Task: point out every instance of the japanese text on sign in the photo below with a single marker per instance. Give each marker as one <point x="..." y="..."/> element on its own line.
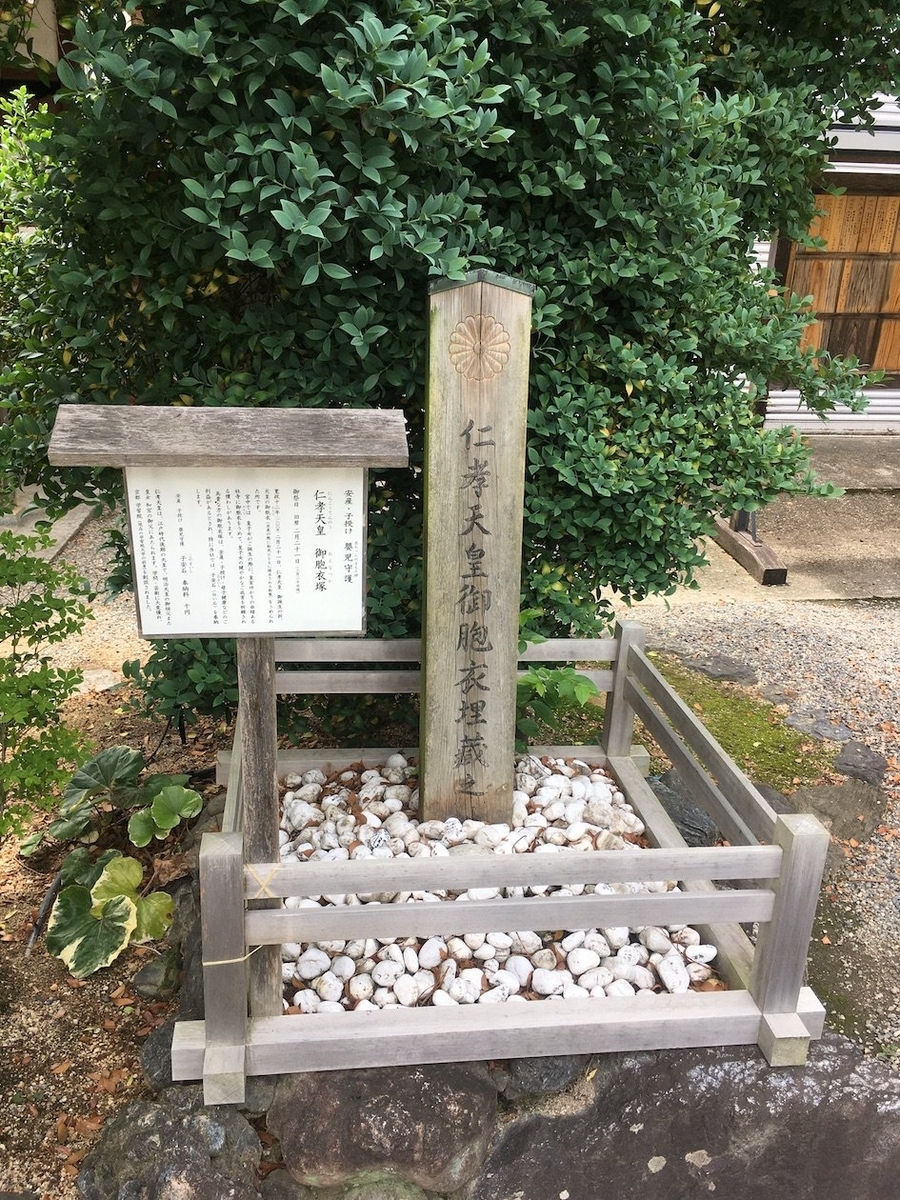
<point x="226" y="552"/>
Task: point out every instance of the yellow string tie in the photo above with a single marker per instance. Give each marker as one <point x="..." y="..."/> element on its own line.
<point x="263" y="884"/>
<point x="227" y="962"/>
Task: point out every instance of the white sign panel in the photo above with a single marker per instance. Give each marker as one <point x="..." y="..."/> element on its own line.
<point x="232" y="551"/>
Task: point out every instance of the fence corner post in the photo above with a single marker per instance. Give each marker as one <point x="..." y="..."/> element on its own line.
<point x="779" y="963"/>
<point x="224" y="967"/>
<point x="618" y="720"/>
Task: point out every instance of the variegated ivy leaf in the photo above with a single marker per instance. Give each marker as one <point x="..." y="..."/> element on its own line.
<point x="85" y="943"/>
<point x="154" y="916"/>
<point x="121" y="877"/>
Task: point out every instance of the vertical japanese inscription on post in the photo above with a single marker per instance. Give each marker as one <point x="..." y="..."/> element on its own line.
<point x="475" y="453"/>
<point x="473" y="643"/>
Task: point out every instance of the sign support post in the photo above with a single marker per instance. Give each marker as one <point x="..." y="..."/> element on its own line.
<point x="259" y="753"/>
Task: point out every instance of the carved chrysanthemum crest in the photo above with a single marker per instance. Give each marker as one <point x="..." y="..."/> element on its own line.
<point x="479" y="347"/>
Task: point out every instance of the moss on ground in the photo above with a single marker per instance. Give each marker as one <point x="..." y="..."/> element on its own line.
<point x="749" y="729"/>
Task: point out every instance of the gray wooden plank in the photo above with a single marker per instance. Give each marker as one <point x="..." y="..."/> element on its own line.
<point x="326" y="1041"/>
<point x="342" y="682"/>
<point x="812" y="1012"/>
<point x="511" y="870"/>
<point x="233" y="814"/>
<point x="744" y="798"/>
<point x="702" y="789"/>
<point x="661" y="830"/>
<point x="618" y="719"/>
<point x="256" y="692"/>
<point x="783" y="1039"/>
<point x="781" y="948"/>
<point x="224" y="950"/>
<point x="224" y="1074"/>
<point x="270" y="927"/>
<point x="571" y="650"/>
<point x="381" y="650"/>
<point x="120" y="435"/>
<point x="621" y="1018"/>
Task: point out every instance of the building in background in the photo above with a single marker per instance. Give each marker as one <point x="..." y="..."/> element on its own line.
<point x="854" y="279"/>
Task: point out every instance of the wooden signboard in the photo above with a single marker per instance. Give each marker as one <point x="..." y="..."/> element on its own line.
<point x="213" y="497"/>
<point x="222" y="551"/>
<point x="476" y="417"/>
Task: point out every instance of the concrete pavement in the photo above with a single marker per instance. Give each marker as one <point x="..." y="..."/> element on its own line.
<point x="847" y="548"/>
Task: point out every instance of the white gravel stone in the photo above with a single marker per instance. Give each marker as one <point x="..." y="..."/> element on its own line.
<point x="329" y="987"/>
<point x="580" y="960"/>
<point x="673" y="973"/>
<point x="312" y="963"/>
<point x="549" y="983"/>
<point x="442" y="999"/>
<point x="700" y="954"/>
<point x="386" y="973"/>
<point x="406" y="989"/>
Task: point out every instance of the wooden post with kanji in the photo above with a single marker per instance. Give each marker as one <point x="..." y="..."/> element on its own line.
<point x="476" y="416"/>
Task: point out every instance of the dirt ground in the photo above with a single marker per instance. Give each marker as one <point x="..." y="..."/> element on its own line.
<point x="69" y="1049"/>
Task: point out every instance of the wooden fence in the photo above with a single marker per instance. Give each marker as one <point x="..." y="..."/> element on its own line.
<point x="776" y="863"/>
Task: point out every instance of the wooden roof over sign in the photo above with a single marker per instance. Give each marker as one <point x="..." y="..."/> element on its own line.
<point x="135" y="435"/>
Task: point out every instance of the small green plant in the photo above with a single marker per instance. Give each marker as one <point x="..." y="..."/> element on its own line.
<point x="544" y="695"/>
<point x="99" y="911"/>
<point x="182" y="678"/>
<point x="109" y="786"/>
<point x="40" y="603"/>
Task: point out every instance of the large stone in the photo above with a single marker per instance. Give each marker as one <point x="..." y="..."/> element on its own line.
<point x="693" y="823"/>
<point x="278" y="1185"/>
<point x="428" y="1125"/>
<point x="156" y="1057"/>
<point x="173" y="1149"/>
<point x="158" y="978"/>
<point x="775" y="799"/>
<point x="690" y="1123"/>
<point x="818" y="724"/>
<point x="722" y="667"/>
<point x="521" y="1077"/>
<point x="857" y="760"/>
<point x="383" y="1189"/>
<point x="847" y="810"/>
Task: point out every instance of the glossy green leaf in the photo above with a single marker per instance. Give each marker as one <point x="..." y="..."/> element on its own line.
<point x="86" y="943"/>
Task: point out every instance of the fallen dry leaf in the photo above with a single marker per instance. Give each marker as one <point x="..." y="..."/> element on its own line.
<point x="171" y="867"/>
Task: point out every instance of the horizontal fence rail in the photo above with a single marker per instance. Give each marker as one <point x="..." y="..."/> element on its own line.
<point x="344" y="680"/>
<point x="275" y="926"/>
<point x="735" y="799"/>
<point x="267" y="880"/>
